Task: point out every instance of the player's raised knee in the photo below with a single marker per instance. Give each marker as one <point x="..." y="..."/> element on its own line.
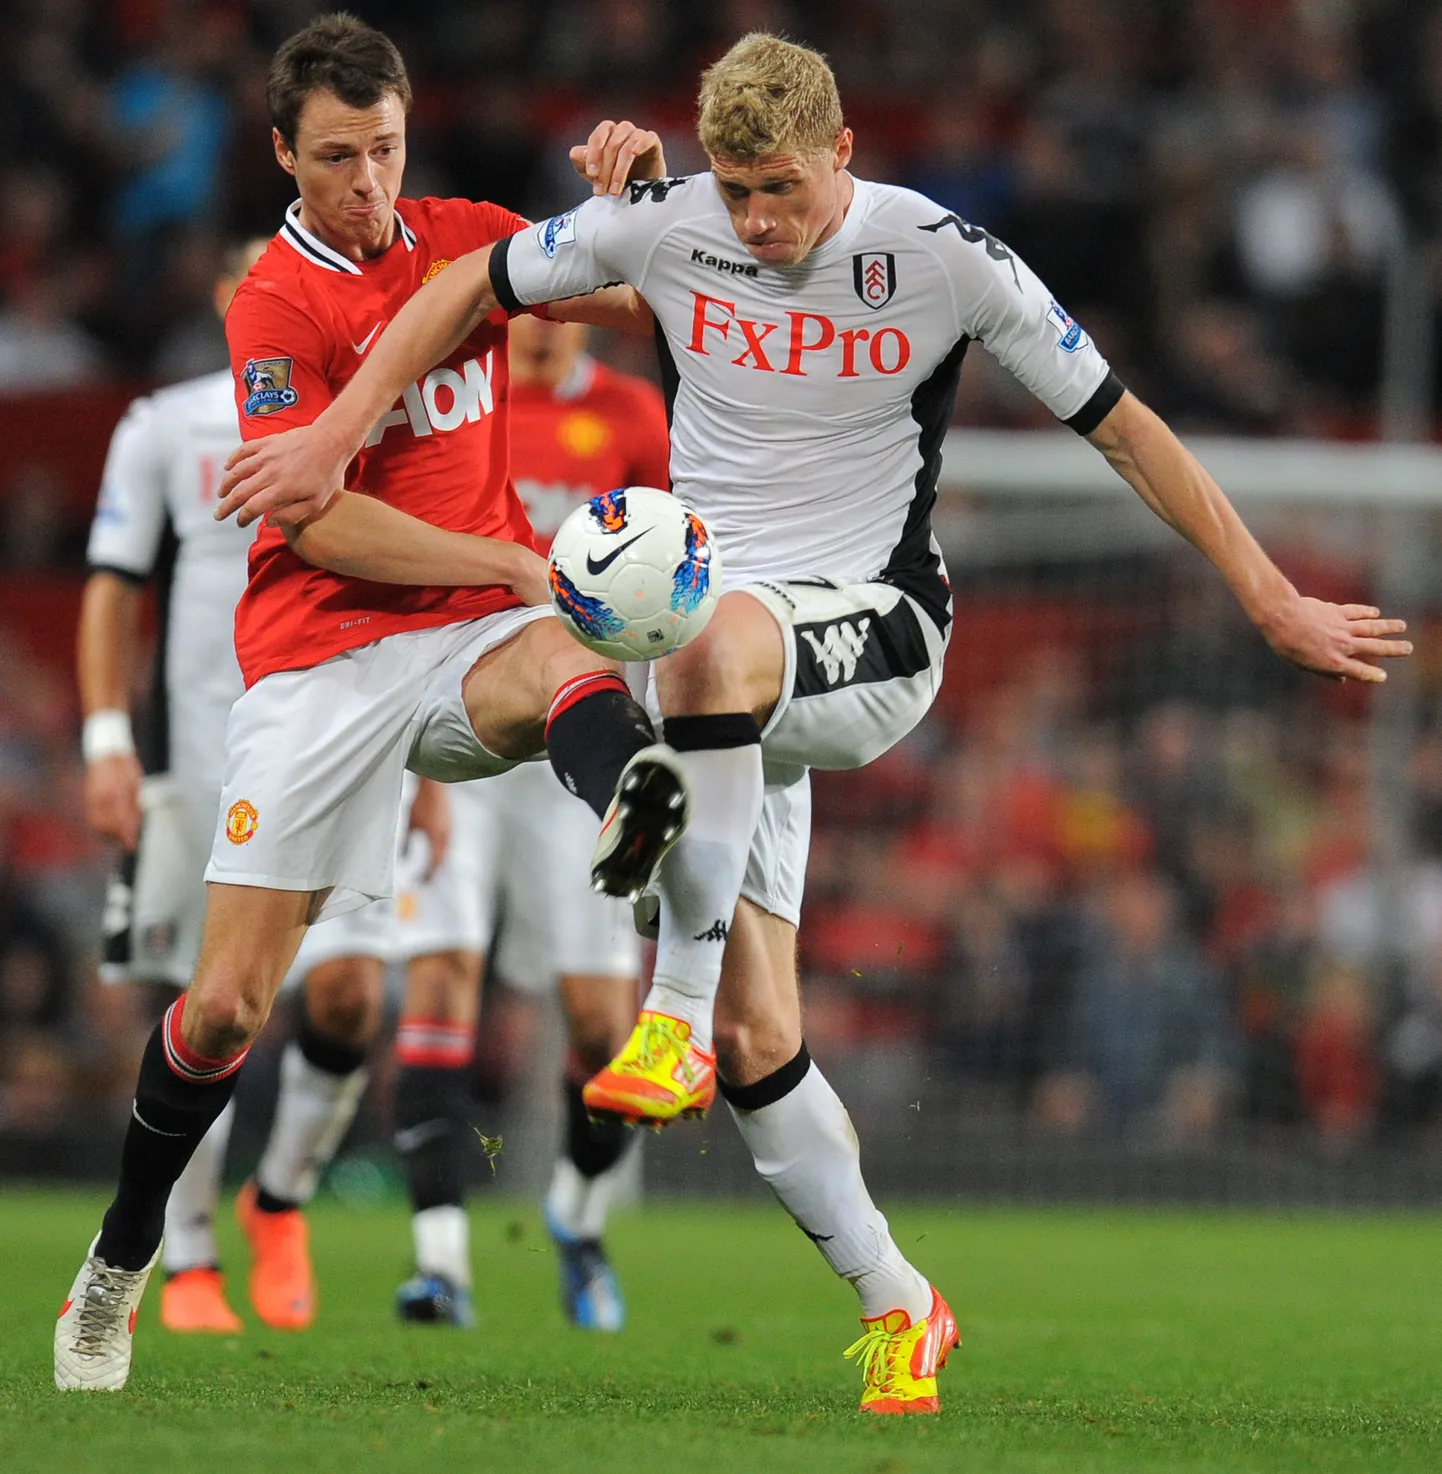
<point x="221" y="1019"/>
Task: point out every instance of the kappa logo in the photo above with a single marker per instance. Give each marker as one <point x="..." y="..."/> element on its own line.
<point x="718" y="931"/>
<point x="874" y="276"/>
<point x="719" y="263"/>
<point x="839" y="651"/>
<point x="241" y="822"/>
<point x="978" y="237"/>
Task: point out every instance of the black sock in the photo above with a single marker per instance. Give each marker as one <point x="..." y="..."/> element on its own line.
<point x="433" y="1132"/>
<point x="594" y="728"/>
<point x="175" y="1105"/>
<point x="593" y="1146"/>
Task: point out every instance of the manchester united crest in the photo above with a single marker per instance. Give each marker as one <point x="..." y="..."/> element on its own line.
<point x="241" y="822"/>
<point x="874" y="274"/>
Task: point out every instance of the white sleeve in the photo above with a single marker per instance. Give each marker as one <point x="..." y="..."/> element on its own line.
<point x="130" y="513"/>
<point x="603" y="242"/>
<point x="1002" y="304"/>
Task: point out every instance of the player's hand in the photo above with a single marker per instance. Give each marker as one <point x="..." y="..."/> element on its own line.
<point x="431" y="816"/>
<point x="1337" y="640"/>
<point x="616" y="152"/>
<point x="291" y="476"/>
<point x="530" y="582"/>
<point x="112" y="798"/>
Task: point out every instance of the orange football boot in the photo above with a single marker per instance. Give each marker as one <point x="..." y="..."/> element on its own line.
<point x="194" y="1300"/>
<point x="282" y="1283"/>
<point x="658" y="1077"/>
<point x="900" y="1360"/>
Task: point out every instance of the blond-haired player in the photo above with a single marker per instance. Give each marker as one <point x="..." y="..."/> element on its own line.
<point x="815" y="325"/>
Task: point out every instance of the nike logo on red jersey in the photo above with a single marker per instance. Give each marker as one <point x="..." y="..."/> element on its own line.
<point x="366" y="341"/>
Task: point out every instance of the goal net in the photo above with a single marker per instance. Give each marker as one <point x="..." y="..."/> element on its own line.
<point x="1140" y="910"/>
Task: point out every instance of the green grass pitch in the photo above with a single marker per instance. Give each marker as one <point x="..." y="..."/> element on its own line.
<point x="1094" y="1341"/>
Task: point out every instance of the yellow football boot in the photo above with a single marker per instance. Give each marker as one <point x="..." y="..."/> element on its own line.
<point x="900" y="1360"/>
<point x="660" y="1076"/>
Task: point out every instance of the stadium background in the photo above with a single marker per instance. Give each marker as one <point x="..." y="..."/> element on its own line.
<point x="1138" y="912"/>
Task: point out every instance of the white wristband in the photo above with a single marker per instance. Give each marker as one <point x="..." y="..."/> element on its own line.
<point x="107" y="734"/>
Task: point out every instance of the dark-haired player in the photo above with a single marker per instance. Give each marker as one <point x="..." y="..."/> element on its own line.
<point x="357" y="663"/>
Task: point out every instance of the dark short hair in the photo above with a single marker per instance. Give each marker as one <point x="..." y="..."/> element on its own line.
<point x="334" y="53"/>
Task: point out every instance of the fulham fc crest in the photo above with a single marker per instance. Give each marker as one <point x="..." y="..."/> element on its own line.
<point x="874" y="273"/>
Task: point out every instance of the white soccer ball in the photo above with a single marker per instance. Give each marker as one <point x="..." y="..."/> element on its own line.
<point x="634" y="574"/>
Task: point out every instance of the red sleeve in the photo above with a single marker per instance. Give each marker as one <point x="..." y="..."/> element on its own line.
<point x="648" y="437"/>
<point x="278" y="357"/>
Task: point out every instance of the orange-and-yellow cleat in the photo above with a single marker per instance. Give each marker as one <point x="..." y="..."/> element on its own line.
<point x="660" y="1076"/>
<point x="282" y="1283"/>
<point x="900" y="1360"/>
<point x="194" y="1300"/>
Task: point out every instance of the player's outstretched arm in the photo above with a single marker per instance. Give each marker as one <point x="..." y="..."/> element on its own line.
<point x="1338" y="640"/>
<point x="295" y="474"/>
<point x="361" y="537"/>
<point x="106" y="644"/>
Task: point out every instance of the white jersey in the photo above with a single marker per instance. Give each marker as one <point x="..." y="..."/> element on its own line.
<point x="165" y="464"/>
<point x="809" y="403"/>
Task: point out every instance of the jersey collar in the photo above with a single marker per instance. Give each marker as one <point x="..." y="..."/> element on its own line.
<point x="315" y="250"/>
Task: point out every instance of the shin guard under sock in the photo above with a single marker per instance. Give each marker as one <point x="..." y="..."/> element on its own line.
<point x="178" y="1097"/>
<point x="593" y="729"/>
<point x="433" y="1132"/>
<point x="321" y="1084"/>
<point x="701" y="878"/>
<point x="805" y="1147"/>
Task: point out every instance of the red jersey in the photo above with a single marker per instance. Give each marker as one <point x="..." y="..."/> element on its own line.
<point x="596" y="431"/>
<point x="298" y="330"/>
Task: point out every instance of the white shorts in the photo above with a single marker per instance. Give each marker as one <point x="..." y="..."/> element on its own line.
<point x="517" y="877"/>
<point x="863" y="663"/>
<point x="314" y="759"/>
<point x="153" y="924"/>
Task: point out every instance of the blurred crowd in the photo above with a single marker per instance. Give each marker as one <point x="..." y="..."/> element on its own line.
<point x="1217" y="188"/>
<point x="1122" y="884"/>
<point x="1112" y="885"/>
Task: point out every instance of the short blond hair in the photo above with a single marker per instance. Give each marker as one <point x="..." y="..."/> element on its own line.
<point x="767" y="96"/>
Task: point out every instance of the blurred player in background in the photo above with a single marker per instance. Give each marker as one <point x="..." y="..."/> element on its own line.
<point x="154" y="524"/>
<point x="519" y="851"/>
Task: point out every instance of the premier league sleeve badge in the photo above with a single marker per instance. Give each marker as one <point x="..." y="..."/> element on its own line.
<point x="267" y="386"/>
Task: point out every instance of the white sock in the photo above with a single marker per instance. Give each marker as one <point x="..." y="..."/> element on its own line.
<point x="443" y="1243"/>
<point x="805" y="1146"/>
<point x="700" y="883"/>
<point x="190" y="1210"/>
<point x="312" y="1115"/>
<point x="578" y="1205"/>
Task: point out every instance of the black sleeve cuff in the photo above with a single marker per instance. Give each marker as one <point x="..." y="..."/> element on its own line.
<point x="128" y="574"/>
<point x="1099" y="406"/>
<point x="501" y="276"/>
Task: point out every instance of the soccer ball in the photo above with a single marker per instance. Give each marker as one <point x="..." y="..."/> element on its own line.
<point x="634" y="574"/>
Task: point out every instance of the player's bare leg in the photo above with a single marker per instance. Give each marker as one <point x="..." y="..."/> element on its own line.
<point x="717" y="693"/>
<point x="435" y="1048"/>
<point x="322" y="1079"/>
<point x="187" y="1076"/>
<point x="804" y="1145"/>
<point x="591" y="1167"/>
